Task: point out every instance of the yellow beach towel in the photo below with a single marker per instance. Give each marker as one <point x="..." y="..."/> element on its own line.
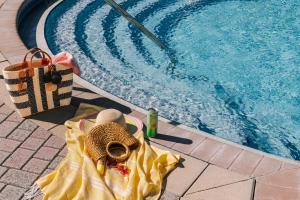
<point x="76" y="177"/>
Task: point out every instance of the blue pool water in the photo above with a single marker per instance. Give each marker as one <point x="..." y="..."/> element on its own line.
<point x="237" y="70"/>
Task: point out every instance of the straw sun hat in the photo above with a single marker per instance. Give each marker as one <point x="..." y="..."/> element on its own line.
<point x="111" y="137"/>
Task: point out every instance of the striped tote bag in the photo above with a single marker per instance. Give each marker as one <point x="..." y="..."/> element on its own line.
<point x="38" y="85"/>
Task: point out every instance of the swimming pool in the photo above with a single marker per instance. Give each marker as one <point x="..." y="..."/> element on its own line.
<point x="235" y="72"/>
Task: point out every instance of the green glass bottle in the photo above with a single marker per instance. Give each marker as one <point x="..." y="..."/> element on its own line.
<point x="152" y="120"/>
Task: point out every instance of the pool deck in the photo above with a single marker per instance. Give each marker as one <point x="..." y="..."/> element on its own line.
<point x="211" y="168"/>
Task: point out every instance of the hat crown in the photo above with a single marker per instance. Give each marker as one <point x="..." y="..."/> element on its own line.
<point x="110" y="115"/>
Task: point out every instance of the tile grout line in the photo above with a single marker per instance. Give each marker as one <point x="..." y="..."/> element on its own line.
<point x="206" y="138"/>
<point x="274" y="172"/>
<point x="42" y="145"/>
<point x="251" y="174"/>
<point x="247" y="179"/>
<point x="10" y="153"/>
<point x="179" y="151"/>
<point x="53" y="128"/>
<point x="190" y="153"/>
<point x="6" y="137"/>
<point x="6" y="119"/>
<point x="235" y="159"/>
<point x="17" y="147"/>
<point x="50" y="161"/>
<point x="253" y="189"/>
<point x="281" y="165"/>
<point x="237" y="155"/>
<point x="171" y="128"/>
<point x="46" y="168"/>
<point x="12" y="184"/>
<point x="215" y="154"/>
<point x="196" y="179"/>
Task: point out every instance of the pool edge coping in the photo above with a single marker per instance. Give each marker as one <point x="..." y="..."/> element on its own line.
<point x="42" y="43"/>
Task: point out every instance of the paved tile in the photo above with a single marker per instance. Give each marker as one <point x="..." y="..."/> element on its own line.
<point x="64" y="151"/>
<point x="2" y="58"/>
<point x="187" y="174"/>
<point x="225" y="156"/>
<point x="46" y="153"/>
<point x="3" y="65"/>
<point x="28" y="125"/>
<point x="39" y="197"/>
<point x="182" y="177"/>
<point x="32" y="143"/>
<point x="41" y="133"/>
<point x="5" y="97"/>
<point x="8" y="145"/>
<point x="55" y="142"/>
<point x="59" y="131"/>
<point x="19" y="178"/>
<point x="36" y="165"/>
<point x="168" y="196"/>
<point x="246" y="162"/>
<point x="7" y="127"/>
<point x="267" y="166"/>
<point x="7" y="16"/>
<point x="2" y="170"/>
<point x="286" y="166"/>
<point x="54" y="116"/>
<point x="2" y="186"/>
<point x="138" y="115"/>
<point x="213" y="177"/>
<point x="12" y="193"/>
<point x="18" y="158"/>
<point x="207" y="149"/>
<point x="3" y="156"/>
<point x="4" y="109"/>
<point x="270" y="192"/>
<point x="15" y="118"/>
<point x="2" y="117"/>
<point x="43" y="124"/>
<point x="188" y="141"/>
<point x="164" y="137"/>
<point x="46" y="172"/>
<point x="237" y="191"/>
<point x="12" y="54"/>
<point x="19" y="134"/>
<point x="11" y="5"/>
<point x="55" y="162"/>
<point x="285" y="179"/>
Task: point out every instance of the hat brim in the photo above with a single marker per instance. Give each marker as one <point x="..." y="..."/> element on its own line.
<point x="133" y="124"/>
<point x="90" y="112"/>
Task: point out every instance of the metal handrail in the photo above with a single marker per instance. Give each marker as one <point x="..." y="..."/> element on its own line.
<point x="171" y="53"/>
<point x="137" y="24"/>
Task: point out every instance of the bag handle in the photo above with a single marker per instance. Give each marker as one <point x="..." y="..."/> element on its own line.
<point x="32" y="51"/>
<point x="44" y="55"/>
<point x="28" y="69"/>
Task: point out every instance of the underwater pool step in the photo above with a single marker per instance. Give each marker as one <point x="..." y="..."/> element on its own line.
<point x="137" y="24"/>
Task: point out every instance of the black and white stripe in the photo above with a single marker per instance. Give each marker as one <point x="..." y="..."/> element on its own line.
<point x="35" y="98"/>
<point x="43" y="89"/>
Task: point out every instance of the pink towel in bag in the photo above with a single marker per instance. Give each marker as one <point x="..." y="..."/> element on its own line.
<point x="66" y="59"/>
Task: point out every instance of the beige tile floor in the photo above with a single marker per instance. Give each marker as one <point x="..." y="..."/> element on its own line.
<point x="211" y="169"/>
